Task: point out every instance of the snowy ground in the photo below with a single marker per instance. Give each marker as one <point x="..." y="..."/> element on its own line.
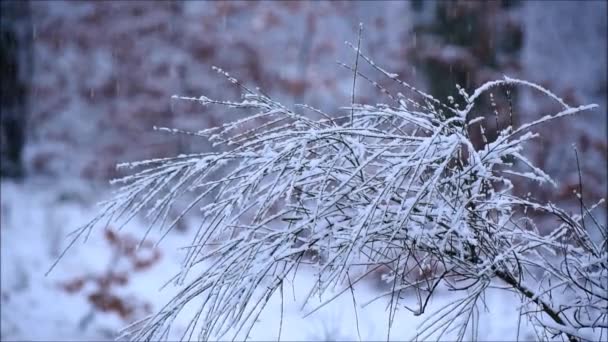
<point x="36" y="216"/>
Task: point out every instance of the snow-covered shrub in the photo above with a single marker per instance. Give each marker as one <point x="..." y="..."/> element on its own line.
<point x="396" y="185"/>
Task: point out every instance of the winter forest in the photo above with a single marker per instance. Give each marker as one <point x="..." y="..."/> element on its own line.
<point x="304" y="170"/>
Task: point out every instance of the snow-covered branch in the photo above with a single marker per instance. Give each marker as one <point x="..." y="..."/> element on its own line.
<point x="401" y="186"/>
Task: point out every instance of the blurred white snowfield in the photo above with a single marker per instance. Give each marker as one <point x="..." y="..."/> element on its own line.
<point x="38" y="214"/>
<point x="301" y="202"/>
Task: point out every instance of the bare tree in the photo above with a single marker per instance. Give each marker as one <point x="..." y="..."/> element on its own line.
<point x="397" y="185"/>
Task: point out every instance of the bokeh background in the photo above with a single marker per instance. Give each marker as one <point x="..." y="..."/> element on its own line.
<point x="84" y="83"/>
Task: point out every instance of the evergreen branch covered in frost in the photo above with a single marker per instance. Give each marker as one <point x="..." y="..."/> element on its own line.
<point x="398" y="185"/>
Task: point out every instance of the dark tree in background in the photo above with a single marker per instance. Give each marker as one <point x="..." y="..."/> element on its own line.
<point x="467" y="43"/>
<point x="15" y="62"/>
<point x="471" y="42"/>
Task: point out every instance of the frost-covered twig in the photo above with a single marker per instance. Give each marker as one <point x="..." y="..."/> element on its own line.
<point x="379" y="185"/>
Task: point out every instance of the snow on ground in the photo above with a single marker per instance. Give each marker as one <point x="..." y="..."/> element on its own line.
<point x="37" y="215"/>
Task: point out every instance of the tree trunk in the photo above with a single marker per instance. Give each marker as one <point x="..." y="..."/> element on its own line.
<point x="15" y="63"/>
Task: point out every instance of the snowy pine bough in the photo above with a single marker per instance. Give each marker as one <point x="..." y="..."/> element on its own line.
<point x="399" y="186"/>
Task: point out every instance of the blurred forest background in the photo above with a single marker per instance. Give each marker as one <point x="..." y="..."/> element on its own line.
<point x="84" y="82"/>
